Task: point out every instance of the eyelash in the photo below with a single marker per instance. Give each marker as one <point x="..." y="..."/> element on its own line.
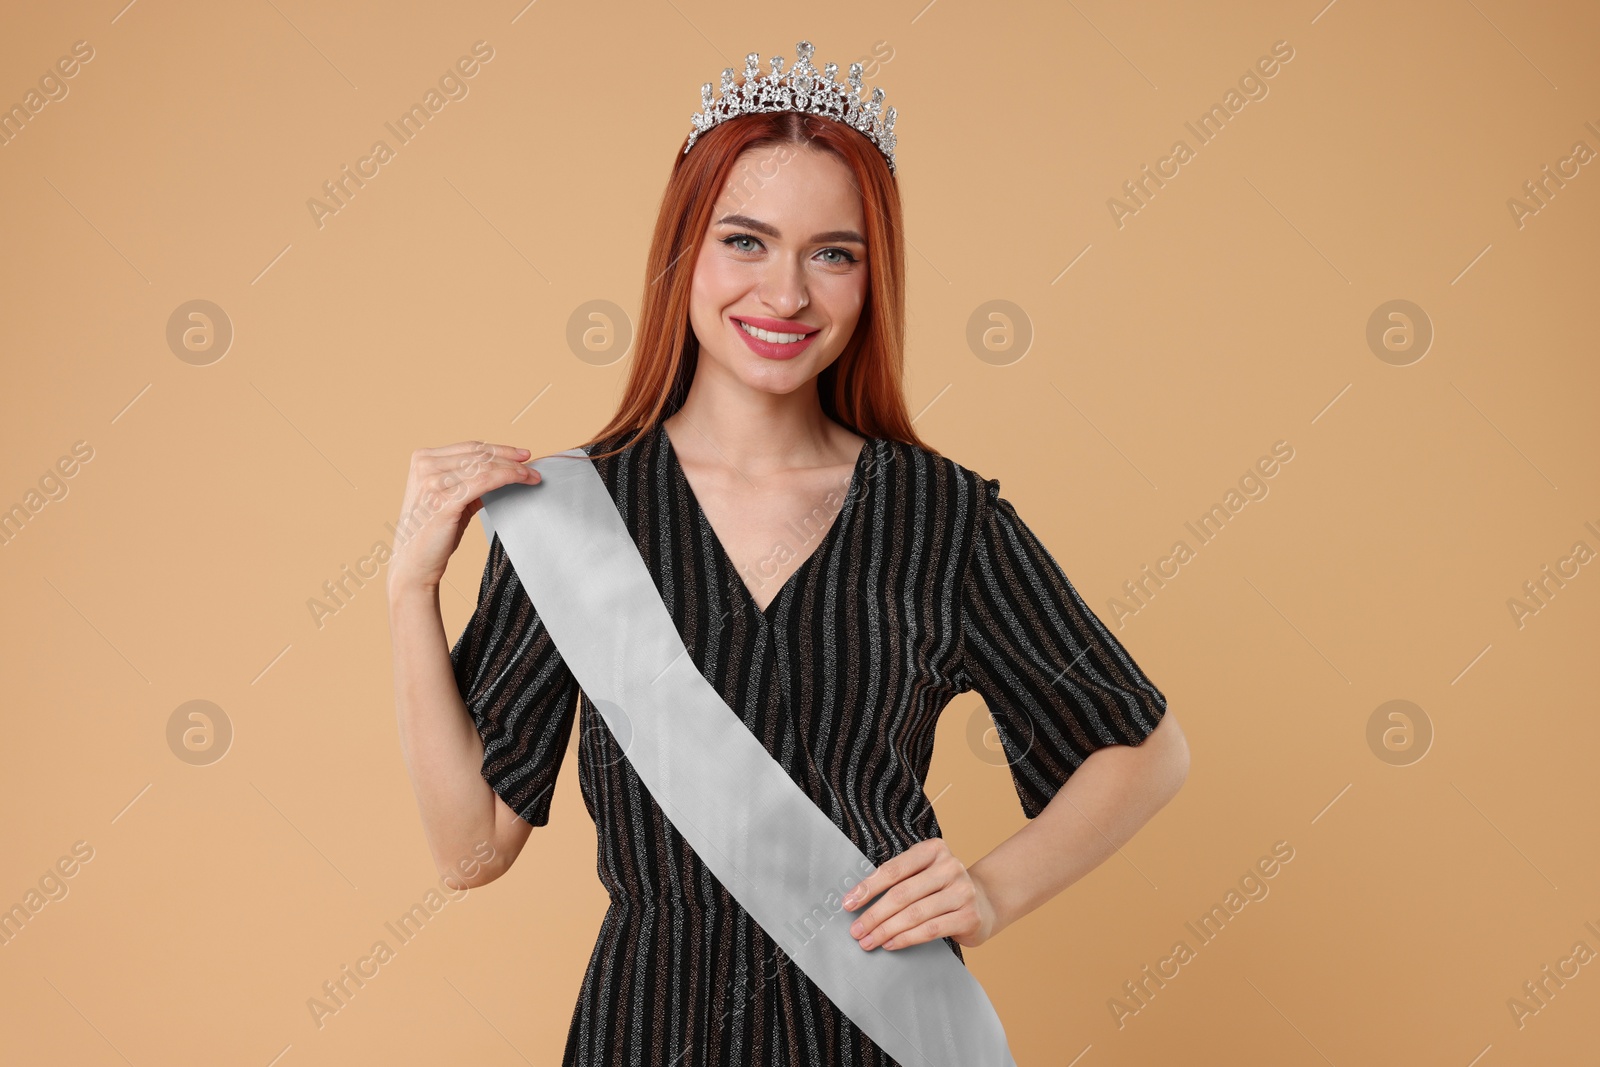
<point x="849" y="258"/>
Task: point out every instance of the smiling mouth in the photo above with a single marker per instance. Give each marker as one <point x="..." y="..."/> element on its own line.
<point x="770" y="336"/>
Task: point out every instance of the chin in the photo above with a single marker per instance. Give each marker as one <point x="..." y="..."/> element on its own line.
<point x="779" y="380"/>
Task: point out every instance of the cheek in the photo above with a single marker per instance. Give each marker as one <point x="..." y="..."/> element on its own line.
<point x="707" y="292"/>
<point x="847" y="295"/>
<point x="716" y="278"/>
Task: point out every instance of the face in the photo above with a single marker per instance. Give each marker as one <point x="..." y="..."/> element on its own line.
<point x="785" y="254"/>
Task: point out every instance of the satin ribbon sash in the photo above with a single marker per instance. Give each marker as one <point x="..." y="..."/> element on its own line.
<point x="780" y="856"/>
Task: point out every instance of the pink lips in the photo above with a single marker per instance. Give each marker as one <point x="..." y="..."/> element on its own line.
<point x="768" y="349"/>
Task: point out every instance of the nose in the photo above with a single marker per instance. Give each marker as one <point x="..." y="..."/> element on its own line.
<point x="783" y="289"/>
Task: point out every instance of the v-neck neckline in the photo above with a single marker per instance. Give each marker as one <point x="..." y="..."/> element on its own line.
<point x="817" y="551"/>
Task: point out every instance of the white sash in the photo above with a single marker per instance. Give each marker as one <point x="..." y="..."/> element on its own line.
<point x="774" y="850"/>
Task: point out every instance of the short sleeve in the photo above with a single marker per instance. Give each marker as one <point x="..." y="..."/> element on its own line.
<point x="1058" y="685"/>
<point x="522" y="696"/>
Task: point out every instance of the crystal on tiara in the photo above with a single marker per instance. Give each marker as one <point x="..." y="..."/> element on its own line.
<point x="801" y="89"/>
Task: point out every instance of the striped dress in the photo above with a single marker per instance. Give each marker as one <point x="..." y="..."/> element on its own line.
<point x="924" y="584"/>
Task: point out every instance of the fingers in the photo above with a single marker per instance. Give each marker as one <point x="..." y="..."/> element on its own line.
<point x="941" y="912"/>
<point x="444" y="489"/>
<point x="892" y="870"/>
<point x="507" y="451"/>
<point x="475" y="466"/>
<point x="940" y="885"/>
<point x="947" y="924"/>
<point x="899" y="896"/>
<point x="445" y="485"/>
<point x="465" y="458"/>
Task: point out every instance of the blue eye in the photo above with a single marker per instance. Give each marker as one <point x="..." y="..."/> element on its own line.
<point x="732" y="239"/>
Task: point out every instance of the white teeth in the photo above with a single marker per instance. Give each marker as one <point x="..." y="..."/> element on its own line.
<point x="769" y="336"/>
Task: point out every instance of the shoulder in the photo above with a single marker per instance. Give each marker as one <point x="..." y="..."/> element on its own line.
<point x="626" y="456"/>
<point x="621" y="439"/>
<point x="939" y="473"/>
<point x="942" y="493"/>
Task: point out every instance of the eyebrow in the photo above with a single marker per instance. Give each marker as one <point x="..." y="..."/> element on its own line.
<point x="772" y="231"/>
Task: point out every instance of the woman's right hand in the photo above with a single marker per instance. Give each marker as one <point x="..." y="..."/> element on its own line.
<point x="442" y="494"/>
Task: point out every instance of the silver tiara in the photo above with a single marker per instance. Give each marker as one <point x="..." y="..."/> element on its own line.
<point x="802" y="89"/>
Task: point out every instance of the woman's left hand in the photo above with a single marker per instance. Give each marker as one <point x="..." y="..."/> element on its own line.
<point x="930" y="894"/>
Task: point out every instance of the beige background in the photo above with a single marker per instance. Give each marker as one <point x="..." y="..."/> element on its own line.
<point x="1228" y="313"/>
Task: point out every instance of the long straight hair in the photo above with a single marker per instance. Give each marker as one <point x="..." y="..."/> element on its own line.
<point x="861" y="389"/>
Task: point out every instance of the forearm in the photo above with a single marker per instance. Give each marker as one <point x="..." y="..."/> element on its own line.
<point x="1096" y="811"/>
<point x="442" y="750"/>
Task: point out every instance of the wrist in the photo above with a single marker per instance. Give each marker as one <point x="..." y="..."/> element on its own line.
<point x="409" y="594"/>
<point x="1000" y="915"/>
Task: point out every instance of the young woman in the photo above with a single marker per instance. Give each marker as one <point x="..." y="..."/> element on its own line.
<point x="835" y="579"/>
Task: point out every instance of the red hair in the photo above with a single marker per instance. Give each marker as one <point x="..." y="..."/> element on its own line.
<point x="862" y="388"/>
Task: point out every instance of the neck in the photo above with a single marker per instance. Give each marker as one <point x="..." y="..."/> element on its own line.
<point x="725" y="421"/>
